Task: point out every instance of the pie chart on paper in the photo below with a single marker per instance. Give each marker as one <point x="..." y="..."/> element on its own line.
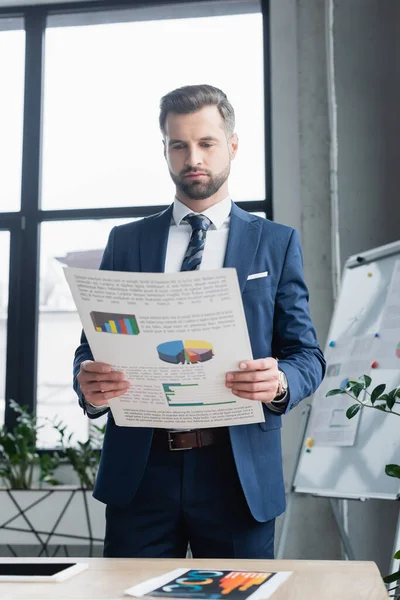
<point x="187" y="352"/>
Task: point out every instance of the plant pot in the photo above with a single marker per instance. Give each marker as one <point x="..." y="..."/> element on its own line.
<point x="56" y="515"/>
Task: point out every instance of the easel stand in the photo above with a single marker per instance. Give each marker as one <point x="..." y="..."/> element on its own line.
<point x="289" y="498"/>
<point x="334" y="503"/>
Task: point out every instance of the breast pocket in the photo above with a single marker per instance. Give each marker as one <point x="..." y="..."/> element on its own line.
<point x="259" y="283"/>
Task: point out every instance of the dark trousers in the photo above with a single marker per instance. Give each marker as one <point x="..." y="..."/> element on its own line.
<point x="189" y="496"/>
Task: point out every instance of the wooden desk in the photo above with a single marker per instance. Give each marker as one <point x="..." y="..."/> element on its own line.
<point x="108" y="578"/>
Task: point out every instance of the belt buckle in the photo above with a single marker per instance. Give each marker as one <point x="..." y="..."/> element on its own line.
<point x="171" y="441"/>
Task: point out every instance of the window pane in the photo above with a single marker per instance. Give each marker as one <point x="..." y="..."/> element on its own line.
<point x="74" y="244"/>
<point x="103" y="83"/>
<point x="12" y="49"/>
<point x="4" y="275"/>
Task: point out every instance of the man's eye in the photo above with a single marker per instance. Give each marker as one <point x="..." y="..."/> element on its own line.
<point x="177" y="147"/>
<point x="205" y="145"/>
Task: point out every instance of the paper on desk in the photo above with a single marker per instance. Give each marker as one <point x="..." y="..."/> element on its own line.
<point x="210" y="584"/>
<point x="174" y="336"/>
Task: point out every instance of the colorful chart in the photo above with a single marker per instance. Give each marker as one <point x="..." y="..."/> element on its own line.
<point x="398" y="350"/>
<point x="206" y="584"/>
<point x="171" y="393"/>
<point x="185" y="352"/>
<point x="178" y="394"/>
<point x="115" y="323"/>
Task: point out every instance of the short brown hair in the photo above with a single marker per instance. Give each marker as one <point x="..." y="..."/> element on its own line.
<point x="191" y="98"/>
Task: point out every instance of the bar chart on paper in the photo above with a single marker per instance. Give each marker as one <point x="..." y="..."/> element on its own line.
<point x="115" y="323"/>
<point x="187" y="352"/>
<point x="191" y="394"/>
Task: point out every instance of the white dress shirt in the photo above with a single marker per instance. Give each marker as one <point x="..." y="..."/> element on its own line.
<point x="214" y="249"/>
<point x="216" y="239"/>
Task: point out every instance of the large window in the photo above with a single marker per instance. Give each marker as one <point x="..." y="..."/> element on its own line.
<point x="4" y="272"/>
<point x="63" y="244"/>
<point x="83" y="152"/>
<point x="12" y="48"/>
<point x="103" y="84"/>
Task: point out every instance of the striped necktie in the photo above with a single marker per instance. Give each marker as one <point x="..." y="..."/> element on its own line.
<point x="195" y="249"/>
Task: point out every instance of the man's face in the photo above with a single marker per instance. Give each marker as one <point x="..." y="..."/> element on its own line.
<point x="198" y="152"/>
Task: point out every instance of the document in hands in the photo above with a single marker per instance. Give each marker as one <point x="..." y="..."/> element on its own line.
<point x="188" y="584"/>
<point x="175" y="336"/>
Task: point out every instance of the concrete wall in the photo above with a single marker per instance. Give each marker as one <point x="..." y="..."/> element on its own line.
<point x="367" y="64"/>
<point x="367" y="83"/>
<point x="301" y="196"/>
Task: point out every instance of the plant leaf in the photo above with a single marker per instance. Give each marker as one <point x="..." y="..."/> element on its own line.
<point x="334" y="392"/>
<point x="377" y="392"/>
<point x="393" y="470"/>
<point x="391" y="401"/>
<point x="391" y="578"/>
<point x="356" y="388"/>
<point x="365" y="381"/>
<point x="381" y="407"/>
<point x="397" y="555"/>
<point x="352" y="410"/>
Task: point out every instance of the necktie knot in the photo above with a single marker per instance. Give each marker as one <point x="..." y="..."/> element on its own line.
<point x="198" y="222"/>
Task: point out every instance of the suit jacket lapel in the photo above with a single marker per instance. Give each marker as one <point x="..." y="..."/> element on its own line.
<point x="153" y="242"/>
<point x="243" y="241"/>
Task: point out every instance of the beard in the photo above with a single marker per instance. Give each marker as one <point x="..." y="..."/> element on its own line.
<point x="199" y="189"/>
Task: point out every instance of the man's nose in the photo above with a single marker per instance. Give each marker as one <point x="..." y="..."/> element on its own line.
<point x="193" y="157"/>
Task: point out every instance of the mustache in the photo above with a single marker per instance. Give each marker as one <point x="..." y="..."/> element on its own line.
<point x="188" y="171"/>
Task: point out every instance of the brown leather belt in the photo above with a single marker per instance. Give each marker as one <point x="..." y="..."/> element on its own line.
<point x="195" y="438"/>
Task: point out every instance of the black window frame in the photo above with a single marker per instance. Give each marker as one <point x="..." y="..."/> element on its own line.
<point x="24" y="225"/>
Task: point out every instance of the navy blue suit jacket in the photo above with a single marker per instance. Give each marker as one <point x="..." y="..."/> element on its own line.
<point x="279" y="324"/>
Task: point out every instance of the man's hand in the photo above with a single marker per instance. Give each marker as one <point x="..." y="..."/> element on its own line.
<point x="99" y="383"/>
<point x="256" y="380"/>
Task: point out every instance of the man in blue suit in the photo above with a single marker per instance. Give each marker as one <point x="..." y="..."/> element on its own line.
<point x="220" y="488"/>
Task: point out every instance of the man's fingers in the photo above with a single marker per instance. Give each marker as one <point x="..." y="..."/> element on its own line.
<point x="258" y="364"/>
<point x="95" y="367"/>
<point x="263" y="386"/>
<point x="252" y="376"/>
<point x="95" y="371"/>
<point x="104" y="386"/>
<point x="85" y="376"/>
<point x="101" y="398"/>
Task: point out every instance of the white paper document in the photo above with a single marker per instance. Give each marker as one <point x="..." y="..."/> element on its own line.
<point x="391" y="310"/>
<point x="329" y="425"/>
<point x="175" y="336"/>
<point x="389" y="352"/>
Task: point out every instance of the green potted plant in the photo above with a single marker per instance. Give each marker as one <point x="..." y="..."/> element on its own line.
<point x="36" y="508"/>
<point x="389" y="403"/>
<point x="84" y="457"/>
<point x="19" y="457"/>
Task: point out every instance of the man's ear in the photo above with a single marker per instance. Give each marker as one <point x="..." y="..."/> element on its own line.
<point x="233" y="145"/>
<point x="165" y="149"/>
